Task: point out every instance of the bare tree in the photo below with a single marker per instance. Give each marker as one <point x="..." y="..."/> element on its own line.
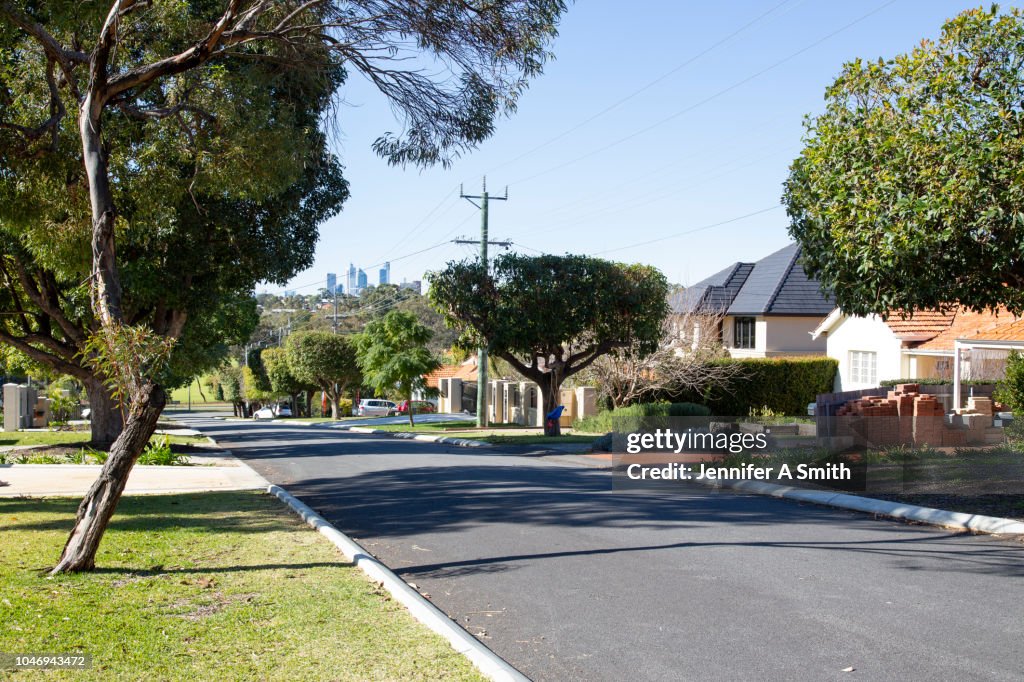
<point x="449" y="68"/>
<point x="684" y="361"/>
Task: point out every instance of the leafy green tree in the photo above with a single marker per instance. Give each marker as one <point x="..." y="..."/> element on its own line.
<point x="553" y="316"/>
<point x="908" y="193"/>
<point x="1010" y="390"/>
<point x="230" y="381"/>
<point x="393" y="354"/>
<point x="325" y="360"/>
<point x="282" y="380"/>
<point x="127" y="89"/>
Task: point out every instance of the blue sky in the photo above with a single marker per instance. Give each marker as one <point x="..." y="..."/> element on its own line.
<point x="710" y="141"/>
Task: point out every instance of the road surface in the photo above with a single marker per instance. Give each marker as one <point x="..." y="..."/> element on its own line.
<point x="569" y="581"/>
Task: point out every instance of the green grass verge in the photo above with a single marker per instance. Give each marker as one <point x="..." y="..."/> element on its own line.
<point x="213" y="586"/>
<point x="182" y="394"/>
<point x="526" y="439"/>
<point x="11" y="438"/>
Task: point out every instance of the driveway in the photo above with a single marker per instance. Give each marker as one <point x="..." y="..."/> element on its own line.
<point x="568" y="580"/>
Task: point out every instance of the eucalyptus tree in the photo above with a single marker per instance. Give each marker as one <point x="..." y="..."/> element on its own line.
<point x="76" y="76"/>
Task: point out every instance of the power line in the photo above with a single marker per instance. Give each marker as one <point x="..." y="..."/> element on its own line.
<point x="681" y="234"/>
<point x="644" y="88"/>
<point x="710" y="98"/>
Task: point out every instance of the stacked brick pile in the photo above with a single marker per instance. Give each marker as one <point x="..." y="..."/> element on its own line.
<point x="977" y="419"/>
<point x="903" y="417"/>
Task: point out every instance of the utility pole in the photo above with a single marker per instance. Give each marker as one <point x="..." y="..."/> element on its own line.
<point x="335" y="309"/>
<point x="481" y="362"/>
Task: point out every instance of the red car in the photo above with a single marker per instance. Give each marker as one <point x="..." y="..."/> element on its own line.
<point x="418" y="406"/>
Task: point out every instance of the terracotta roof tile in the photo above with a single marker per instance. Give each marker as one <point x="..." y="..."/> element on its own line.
<point x="920" y="325"/>
<point x="967" y="324"/>
<point x="1008" y="331"/>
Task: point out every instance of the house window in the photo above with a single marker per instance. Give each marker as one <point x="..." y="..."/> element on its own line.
<point x="863" y="367"/>
<point x="743" y="332"/>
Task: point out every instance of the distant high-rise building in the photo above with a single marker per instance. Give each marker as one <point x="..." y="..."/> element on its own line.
<point x="361" y="280"/>
<point x="414" y="285"/>
<point x="352" y="283"/>
<point x="385" y="274"/>
<point x="332" y="283"/>
<point x="289" y="293"/>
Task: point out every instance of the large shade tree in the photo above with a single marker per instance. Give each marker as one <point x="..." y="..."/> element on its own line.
<point x="550" y="317"/>
<point x="908" y="193"/>
<point x="75" y="74"/>
<point x="193" y="244"/>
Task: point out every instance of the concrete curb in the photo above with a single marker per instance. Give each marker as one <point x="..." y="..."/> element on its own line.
<point x="488" y="662"/>
<point x="910" y="512"/>
<point x="461" y="442"/>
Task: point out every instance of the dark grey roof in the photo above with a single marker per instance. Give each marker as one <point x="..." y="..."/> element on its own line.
<point x="775" y="285"/>
<point x="713" y="293"/>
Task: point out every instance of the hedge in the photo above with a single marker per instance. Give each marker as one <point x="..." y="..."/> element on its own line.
<point x="602" y="422"/>
<point x="784" y="386"/>
<point x="889" y="383"/>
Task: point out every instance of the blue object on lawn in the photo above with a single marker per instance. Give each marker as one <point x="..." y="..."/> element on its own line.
<point x="556" y="413"/>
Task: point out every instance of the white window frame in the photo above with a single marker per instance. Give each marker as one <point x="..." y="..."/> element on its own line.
<point x="864" y="367"/>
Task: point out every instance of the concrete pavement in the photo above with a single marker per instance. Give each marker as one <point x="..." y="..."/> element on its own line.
<point x="566" y="579"/>
<point x="216" y="470"/>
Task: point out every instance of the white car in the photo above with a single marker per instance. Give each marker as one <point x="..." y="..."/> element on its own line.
<point x="375" y="407"/>
<point x="263" y="413"/>
<point x="282" y="410"/>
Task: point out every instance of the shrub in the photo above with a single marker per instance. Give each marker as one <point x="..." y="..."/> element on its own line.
<point x="603" y="422"/>
<point x="159" y="452"/>
<point x="1010" y="390"/>
<point x="889" y="383"/>
<point x="784" y="386"/>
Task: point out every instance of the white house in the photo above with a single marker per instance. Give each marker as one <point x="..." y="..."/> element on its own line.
<point x="920" y="346"/>
<point x="768" y="308"/>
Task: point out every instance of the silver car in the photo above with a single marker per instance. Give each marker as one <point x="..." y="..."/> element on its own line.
<point x="375" y="407"/>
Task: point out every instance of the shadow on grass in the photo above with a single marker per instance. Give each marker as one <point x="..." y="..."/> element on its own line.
<point x="238" y="513"/>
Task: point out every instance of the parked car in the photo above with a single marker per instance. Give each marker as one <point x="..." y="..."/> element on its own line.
<point x="375" y="407"/>
<point x="263" y="413"/>
<point x="282" y="410"/>
<point x="418" y="406"/>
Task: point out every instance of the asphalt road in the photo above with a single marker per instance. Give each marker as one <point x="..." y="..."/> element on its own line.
<point x="567" y="580"/>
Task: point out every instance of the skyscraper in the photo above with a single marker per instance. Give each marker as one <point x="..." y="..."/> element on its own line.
<point x="361" y="281"/>
<point x="332" y="282"/>
<point x="352" y="284"/>
<point x="385" y="274"/>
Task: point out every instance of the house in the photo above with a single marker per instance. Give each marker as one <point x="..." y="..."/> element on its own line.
<point x="759" y="310"/>
<point x="918" y="346"/>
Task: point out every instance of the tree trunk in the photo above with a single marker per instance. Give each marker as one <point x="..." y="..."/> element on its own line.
<point x="105" y="418"/>
<point x="335" y="408"/>
<point x="101" y="500"/>
<point x="411" y="410"/>
<point x="552" y="427"/>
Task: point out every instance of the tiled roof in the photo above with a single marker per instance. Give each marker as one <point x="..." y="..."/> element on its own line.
<point x="920" y="325"/>
<point x="968" y="324"/>
<point x="1009" y="331"/>
<point x="775" y="285"/>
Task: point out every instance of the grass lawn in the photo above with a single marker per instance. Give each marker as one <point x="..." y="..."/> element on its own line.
<point x="212" y="586"/>
<point x="10" y="438"/>
<point x="181" y="394"/>
<point x="501" y="434"/>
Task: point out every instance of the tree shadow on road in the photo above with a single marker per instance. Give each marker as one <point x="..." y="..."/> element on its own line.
<point x="429" y="500"/>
